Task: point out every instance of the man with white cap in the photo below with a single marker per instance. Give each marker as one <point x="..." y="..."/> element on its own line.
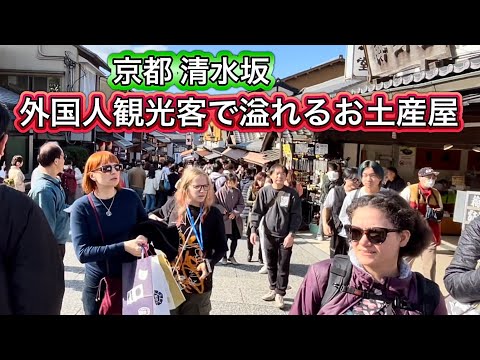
<point x="428" y="201"/>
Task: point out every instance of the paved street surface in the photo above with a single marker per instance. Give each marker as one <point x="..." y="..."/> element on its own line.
<point x="237" y="290"/>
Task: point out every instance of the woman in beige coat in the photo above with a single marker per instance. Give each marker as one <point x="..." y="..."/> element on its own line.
<point x="231" y="204"/>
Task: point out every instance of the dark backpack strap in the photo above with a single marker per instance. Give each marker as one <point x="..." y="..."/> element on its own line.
<point x="338" y="277"/>
<point x="428" y="294"/>
<point x="357" y="192"/>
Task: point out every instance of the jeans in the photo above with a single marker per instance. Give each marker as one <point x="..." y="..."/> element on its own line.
<point x="150" y="203"/>
<point x="89" y="294"/>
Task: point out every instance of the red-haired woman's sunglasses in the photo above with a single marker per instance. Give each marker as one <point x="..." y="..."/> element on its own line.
<point x="109" y="168"/>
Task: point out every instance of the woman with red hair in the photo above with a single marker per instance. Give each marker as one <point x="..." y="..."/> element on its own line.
<point x="101" y="222"/>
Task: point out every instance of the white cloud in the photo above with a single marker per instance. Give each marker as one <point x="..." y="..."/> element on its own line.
<point x="104" y="50"/>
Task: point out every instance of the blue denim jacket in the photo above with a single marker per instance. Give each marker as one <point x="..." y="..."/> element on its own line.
<point x="49" y="195"/>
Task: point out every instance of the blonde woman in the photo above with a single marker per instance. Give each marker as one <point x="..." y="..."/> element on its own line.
<point x="203" y="242"/>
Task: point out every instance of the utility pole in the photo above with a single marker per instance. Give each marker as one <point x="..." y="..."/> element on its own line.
<point x="279" y="134"/>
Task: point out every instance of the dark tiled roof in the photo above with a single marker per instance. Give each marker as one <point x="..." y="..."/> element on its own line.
<point x="244" y="137"/>
<point x="10" y="99"/>
<point x="331" y="87"/>
<point x="255" y="145"/>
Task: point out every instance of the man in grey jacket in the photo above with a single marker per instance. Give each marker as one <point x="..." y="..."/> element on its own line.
<point x="281" y="207"/>
<point x="462" y="278"/>
<point x="49" y="194"/>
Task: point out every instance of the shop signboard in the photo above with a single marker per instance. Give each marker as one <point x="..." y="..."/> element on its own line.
<point x="472" y="207"/>
<point x="387" y="60"/>
<point x="321" y="149"/>
<point x="406" y="157"/>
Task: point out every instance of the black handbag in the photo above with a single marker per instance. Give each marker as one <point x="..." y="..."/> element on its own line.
<point x="164" y="237"/>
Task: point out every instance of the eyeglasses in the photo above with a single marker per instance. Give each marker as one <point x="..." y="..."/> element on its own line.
<point x="355" y="180"/>
<point x="376" y="235"/>
<point x="109" y="168"/>
<point x="203" y="187"/>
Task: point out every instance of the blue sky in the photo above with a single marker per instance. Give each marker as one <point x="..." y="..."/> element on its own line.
<point x="289" y="59"/>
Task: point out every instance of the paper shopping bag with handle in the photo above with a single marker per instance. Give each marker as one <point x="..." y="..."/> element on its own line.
<point x="176" y="297"/>
<point x="145" y="289"/>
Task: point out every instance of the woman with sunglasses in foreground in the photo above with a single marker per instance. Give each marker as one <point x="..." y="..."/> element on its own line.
<point x="383" y="230"/>
<point x="101" y="222"/>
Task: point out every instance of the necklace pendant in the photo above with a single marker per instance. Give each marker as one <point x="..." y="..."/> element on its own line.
<point x="109" y="213"/>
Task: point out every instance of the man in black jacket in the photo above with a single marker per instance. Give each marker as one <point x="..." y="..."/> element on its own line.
<point x="281" y="207"/>
<point x="462" y="278"/>
<point x="31" y="271"/>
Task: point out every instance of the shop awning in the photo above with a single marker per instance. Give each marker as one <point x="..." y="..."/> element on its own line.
<point x="234" y="154"/>
<point x="147" y="147"/>
<point x="213" y="156"/>
<point x="189" y="157"/>
<point x="203" y="153"/>
<point x="160" y="137"/>
<point x="186" y="152"/>
<point x="105" y="137"/>
<point x="262" y="158"/>
<point x="122" y="142"/>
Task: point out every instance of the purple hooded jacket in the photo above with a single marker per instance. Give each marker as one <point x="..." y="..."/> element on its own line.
<point x="309" y="297"/>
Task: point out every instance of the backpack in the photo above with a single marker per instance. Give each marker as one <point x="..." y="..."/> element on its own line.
<point x="339" y="279"/>
<point x="214" y="181"/>
<point x="69" y="184"/>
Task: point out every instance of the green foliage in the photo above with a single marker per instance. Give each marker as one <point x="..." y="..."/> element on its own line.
<point x="77" y="154"/>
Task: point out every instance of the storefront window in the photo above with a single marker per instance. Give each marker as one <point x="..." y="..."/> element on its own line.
<point x="20" y="83"/>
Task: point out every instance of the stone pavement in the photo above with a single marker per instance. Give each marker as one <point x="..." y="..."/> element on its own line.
<point x="237" y="290"/>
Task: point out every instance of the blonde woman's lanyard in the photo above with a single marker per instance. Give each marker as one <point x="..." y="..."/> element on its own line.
<point x="190" y="220"/>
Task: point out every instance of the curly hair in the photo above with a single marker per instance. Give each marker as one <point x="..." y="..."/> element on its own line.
<point x="402" y="216"/>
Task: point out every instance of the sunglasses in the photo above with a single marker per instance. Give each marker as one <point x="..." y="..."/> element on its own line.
<point x="109" y="168"/>
<point x="376" y="235"/>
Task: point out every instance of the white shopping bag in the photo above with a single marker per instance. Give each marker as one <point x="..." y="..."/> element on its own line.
<point x="145" y="288"/>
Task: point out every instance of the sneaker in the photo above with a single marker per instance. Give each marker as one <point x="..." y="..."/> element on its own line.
<point x="232" y="260"/>
<point x="270" y="296"/>
<point x="249" y="258"/>
<point x="279" y="301"/>
<point x="224" y="261"/>
<point x="263" y="270"/>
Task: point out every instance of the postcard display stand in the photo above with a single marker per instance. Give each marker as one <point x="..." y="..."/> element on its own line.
<point x="308" y="169"/>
